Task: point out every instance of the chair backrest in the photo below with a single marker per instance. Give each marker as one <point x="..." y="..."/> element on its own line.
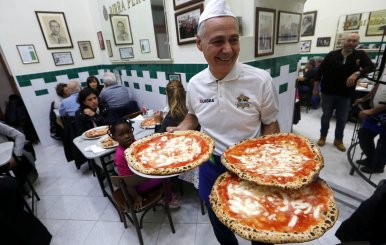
<point x="130" y="180"/>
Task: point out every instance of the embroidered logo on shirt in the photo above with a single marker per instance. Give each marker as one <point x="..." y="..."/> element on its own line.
<point x="203" y="101"/>
<point x="242" y="102"/>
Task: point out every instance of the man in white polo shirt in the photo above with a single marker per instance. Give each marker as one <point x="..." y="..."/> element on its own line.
<point x="231" y="101"/>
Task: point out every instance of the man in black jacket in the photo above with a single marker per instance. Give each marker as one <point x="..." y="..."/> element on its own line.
<point x="338" y="74"/>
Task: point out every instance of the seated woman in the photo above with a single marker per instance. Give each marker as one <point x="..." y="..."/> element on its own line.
<point x="122" y="132"/>
<point x="93" y="82"/>
<point x="305" y="82"/>
<point x="92" y="114"/>
<point x="176" y="97"/>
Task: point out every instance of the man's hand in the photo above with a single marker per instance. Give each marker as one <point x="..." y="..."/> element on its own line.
<point x="360" y="100"/>
<point x="365" y="113"/>
<point x="89" y="112"/>
<point x="351" y="80"/>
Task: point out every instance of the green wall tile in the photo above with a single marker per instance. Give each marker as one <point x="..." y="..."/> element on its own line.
<point x="162" y="90"/>
<point x="126" y="84"/>
<point x="25" y="83"/>
<point x="283" y="88"/>
<point x="72" y="75"/>
<point x="136" y="85"/>
<point x="139" y="73"/>
<point x="41" y="92"/>
<point x="50" y="79"/>
<point x="148" y="88"/>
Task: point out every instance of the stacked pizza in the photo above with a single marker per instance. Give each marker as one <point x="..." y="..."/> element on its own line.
<point x="169" y="153"/>
<point x="273" y="193"/>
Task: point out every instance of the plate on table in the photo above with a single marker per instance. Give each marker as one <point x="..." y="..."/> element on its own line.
<point x="149" y="123"/>
<point x="107" y="142"/>
<point x="95" y="133"/>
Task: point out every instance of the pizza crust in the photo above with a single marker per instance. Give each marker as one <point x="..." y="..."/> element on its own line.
<point x="293" y="184"/>
<point x="326" y="221"/>
<point x="204" y="156"/>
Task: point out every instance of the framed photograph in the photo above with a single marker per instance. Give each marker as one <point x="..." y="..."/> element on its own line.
<point x="145" y="45"/>
<point x="288" y="28"/>
<point x="174" y="77"/>
<point x="305" y="46"/>
<point x="85" y="50"/>
<point x="352" y="22"/>
<point x="183" y="3"/>
<point x="62" y="58"/>
<point x="264" y="32"/>
<point x="187" y="23"/>
<point x="27" y="53"/>
<point x="126" y="53"/>
<point x="376" y="20"/>
<point x="100" y="40"/>
<point x="323" y="41"/>
<point x="54" y="29"/>
<point x="308" y="23"/>
<point x="109" y="49"/>
<point x="120" y="24"/>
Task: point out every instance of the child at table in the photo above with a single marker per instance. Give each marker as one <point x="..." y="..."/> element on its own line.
<point x="122" y="132"/>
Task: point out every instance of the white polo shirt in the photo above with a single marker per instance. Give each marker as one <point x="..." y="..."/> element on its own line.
<point x="232" y="109"/>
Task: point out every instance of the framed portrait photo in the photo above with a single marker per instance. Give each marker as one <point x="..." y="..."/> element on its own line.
<point x="126" y="53"/>
<point x="27" y="53"/>
<point x="54" y="29"/>
<point x="265" y="31"/>
<point x="145" y="46"/>
<point x="305" y="46"/>
<point x="174" y="77"/>
<point x="85" y="50"/>
<point x="109" y="49"/>
<point x="187" y="24"/>
<point x="288" y="28"/>
<point x="120" y="24"/>
<point x="308" y="23"/>
<point x="100" y="40"/>
<point x="183" y="3"/>
<point x="376" y="20"/>
<point x="352" y="22"/>
<point x="62" y="58"/>
<point x="323" y="41"/>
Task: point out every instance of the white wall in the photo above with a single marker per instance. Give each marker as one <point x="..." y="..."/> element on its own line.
<point x="329" y="13"/>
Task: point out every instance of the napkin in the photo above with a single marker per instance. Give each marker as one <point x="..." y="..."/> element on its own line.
<point x="138" y="118"/>
<point x="94" y="148"/>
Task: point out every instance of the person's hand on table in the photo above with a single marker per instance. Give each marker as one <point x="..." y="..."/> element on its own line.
<point x="351" y="80"/>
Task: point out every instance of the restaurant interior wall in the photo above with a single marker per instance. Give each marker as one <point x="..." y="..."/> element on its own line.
<point x="145" y="81"/>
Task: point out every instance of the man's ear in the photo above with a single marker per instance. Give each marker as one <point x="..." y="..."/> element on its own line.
<point x="198" y="42"/>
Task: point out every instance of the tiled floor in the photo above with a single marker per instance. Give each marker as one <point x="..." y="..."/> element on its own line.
<point x="75" y="212"/>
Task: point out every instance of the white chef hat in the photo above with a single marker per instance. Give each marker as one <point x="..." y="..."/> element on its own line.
<point x="216" y="8"/>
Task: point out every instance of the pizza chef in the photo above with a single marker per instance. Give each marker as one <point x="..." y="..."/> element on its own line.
<point x="230" y="100"/>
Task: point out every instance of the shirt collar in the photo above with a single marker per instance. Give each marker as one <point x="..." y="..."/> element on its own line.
<point x="232" y="75"/>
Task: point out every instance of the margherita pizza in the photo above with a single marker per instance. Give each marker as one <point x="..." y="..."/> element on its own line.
<point x="169" y="153"/>
<point x="284" y="160"/>
<point x="272" y="214"/>
<point x="96" y="132"/>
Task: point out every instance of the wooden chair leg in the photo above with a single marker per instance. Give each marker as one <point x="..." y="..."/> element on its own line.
<point x="137" y="227"/>
<point x="202" y="206"/>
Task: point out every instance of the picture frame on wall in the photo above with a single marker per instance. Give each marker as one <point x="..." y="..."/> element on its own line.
<point x="62" y="58"/>
<point x="265" y="31"/>
<point x="288" y="30"/>
<point x="85" y="49"/>
<point x="100" y="40"/>
<point x="27" y="53"/>
<point x="305" y="46"/>
<point x="120" y="25"/>
<point x="187" y="24"/>
<point x="308" y="23"/>
<point x="174" y="77"/>
<point x="145" y="45"/>
<point x="109" y="49"/>
<point x="126" y="53"/>
<point x="323" y="41"/>
<point x="376" y="20"/>
<point x="352" y="22"/>
<point x="54" y="29"/>
<point x="178" y="4"/>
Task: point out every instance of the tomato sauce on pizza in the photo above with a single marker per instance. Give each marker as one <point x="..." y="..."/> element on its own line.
<point x="284" y="160"/>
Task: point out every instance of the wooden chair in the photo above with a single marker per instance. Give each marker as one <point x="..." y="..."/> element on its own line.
<point x="125" y="202"/>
